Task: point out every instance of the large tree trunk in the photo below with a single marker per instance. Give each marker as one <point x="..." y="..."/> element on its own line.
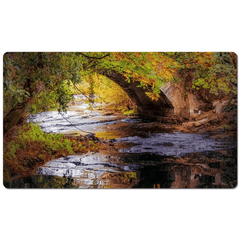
<point x="13" y="117"/>
<point x="22" y="109"/>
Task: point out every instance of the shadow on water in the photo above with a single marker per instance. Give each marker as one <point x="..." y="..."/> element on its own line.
<point x="41" y="181"/>
<point x="158" y="158"/>
<point x="216" y="169"/>
<point x="155" y="177"/>
<point x="197" y="170"/>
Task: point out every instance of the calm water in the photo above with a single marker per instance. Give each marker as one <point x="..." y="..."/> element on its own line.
<point x="157" y="160"/>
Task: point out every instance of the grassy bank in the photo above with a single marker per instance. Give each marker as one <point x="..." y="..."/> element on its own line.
<point x="28" y="147"/>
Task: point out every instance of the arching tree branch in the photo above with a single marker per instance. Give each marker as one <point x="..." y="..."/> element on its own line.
<point x="91" y="57"/>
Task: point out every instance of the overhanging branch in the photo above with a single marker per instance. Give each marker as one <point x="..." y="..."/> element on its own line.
<point x="91" y="57"/>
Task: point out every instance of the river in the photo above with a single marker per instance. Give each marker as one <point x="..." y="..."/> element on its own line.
<point x="153" y="156"/>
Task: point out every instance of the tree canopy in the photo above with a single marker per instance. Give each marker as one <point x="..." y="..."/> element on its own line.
<point x="37" y="81"/>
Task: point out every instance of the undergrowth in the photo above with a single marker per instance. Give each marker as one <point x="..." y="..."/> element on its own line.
<point x="32" y="133"/>
<point x="32" y="148"/>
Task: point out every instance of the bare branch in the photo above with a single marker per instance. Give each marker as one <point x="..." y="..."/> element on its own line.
<point x="73" y="125"/>
<point x="91" y="57"/>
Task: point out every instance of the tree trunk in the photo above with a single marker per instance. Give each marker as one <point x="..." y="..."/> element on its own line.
<point x="13" y="117"/>
<point x="21" y="109"/>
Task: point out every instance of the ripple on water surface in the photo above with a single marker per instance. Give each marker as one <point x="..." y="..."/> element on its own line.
<point x="84" y="168"/>
<point x="174" y="144"/>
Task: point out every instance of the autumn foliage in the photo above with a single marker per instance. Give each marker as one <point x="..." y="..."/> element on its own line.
<point x="36" y="82"/>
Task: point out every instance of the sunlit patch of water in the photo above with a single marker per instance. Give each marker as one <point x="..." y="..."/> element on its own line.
<point x="55" y="122"/>
<point x="156" y="159"/>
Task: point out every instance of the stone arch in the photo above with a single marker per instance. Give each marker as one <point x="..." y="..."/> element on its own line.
<point x="146" y="107"/>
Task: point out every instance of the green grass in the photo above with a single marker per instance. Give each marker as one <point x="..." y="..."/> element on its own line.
<point x="33" y="133"/>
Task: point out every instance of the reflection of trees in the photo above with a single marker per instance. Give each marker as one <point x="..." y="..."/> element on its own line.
<point x="41" y="181"/>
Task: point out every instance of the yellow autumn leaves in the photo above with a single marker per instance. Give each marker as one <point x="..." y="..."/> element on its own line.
<point x="105" y="89"/>
<point x="158" y="68"/>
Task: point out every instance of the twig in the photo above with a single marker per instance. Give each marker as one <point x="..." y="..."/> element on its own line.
<point x="232" y="84"/>
<point x="74" y="125"/>
<point x="94" y="57"/>
<point x="90" y="100"/>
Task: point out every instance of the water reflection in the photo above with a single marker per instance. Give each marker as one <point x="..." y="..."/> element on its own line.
<point x="175" y="144"/>
<point x="162" y="159"/>
<point x="147" y="170"/>
<point x="41" y="181"/>
<point x="198" y="170"/>
<point x="86" y="170"/>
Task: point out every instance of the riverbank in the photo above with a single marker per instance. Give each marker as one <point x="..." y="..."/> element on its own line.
<point x="25" y="149"/>
<point x="85" y="132"/>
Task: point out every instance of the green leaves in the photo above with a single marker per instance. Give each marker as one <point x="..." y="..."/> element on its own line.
<point x="52" y="142"/>
<point x="17" y="95"/>
<point x="63" y="96"/>
<point x="54" y="71"/>
<point x="214" y="71"/>
<point x="24" y="72"/>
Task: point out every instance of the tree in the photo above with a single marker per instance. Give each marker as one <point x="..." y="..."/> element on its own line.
<point x="35" y="81"/>
<point x="30" y="77"/>
<point x="215" y="71"/>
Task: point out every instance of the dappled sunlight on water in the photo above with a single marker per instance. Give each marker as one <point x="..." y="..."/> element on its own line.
<point x="54" y="122"/>
<point x="152" y="156"/>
